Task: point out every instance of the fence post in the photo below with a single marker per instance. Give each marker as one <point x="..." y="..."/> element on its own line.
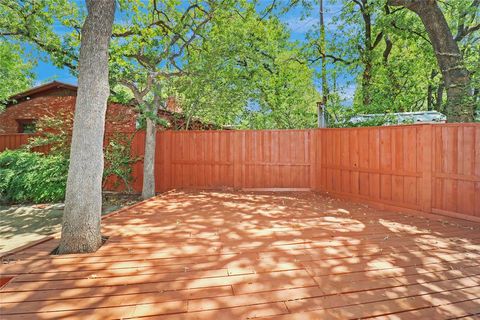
<point x="426" y="146"/>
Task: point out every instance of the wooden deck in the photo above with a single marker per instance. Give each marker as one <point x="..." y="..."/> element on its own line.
<point x="220" y="255"/>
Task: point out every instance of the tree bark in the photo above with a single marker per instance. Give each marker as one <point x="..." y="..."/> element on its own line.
<point x="148" y="188"/>
<point x="83" y="199"/>
<point x="367" y="55"/>
<point x="430" y="88"/>
<point x="439" y="97"/>
<point x="370" y="42"/>
<point x="323" y="45"/>
<point x="456" y="77"/>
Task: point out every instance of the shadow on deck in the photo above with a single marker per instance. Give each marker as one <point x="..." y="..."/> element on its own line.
<point x="221" y="255"/>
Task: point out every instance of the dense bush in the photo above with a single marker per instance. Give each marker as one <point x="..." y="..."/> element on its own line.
<point x="32" y="177"/>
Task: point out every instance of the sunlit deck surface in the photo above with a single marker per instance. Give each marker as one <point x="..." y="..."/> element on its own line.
<point x="221" y="255"/>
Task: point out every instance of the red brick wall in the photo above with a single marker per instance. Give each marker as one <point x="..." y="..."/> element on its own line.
<point x="118" y="118"/>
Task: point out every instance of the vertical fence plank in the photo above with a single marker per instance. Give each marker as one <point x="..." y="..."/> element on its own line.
<point x="14" y="141"/>
<point x="426" y="159"/>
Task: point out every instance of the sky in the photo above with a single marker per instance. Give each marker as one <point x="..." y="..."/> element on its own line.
<point x="298" y="25"/>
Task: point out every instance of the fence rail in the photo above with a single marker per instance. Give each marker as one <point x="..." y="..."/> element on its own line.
<point x="430" y="168"/>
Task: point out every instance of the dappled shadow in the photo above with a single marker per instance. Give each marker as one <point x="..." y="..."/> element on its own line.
<point x="20" y="224"/>
<point x="23" y="224"/>
<point x="40" y="219"/>
<point x="206" y="255"/>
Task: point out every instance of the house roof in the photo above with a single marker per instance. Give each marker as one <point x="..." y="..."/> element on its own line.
<point x="61" y="85"/>
<point x="43" y="88"/>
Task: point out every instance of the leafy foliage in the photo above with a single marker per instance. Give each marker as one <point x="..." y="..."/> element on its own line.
<point x="32" y="177"/>
<point x="243" y="69"/>
<point x="15" y="73"/>
<point x="249" y="74"/>
<point x="56" y="133"/>
<point x="389" y="52"/>
<point x="118" y="160"/>
<point x="37" y="23"/>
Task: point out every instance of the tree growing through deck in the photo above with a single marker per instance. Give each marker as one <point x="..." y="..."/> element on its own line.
<point x="83" y="199"/>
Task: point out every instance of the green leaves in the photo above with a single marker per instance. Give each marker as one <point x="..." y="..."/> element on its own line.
<point x="15" y="73"/>
<point x="32" y="177"/>
<point x="50" y="25"/>
<point x="389" y="53"/>
<point x="118" y="160"/>
<point x="249" y="74"/>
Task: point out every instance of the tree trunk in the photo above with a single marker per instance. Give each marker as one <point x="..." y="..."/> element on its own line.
<point x="430" y="88"/>
<point x="439" y="97"/>
<point x="148" y="188"/>
<point x="323" y="45"/>
<point x="83" y="199"/>
<point x="366" y="81"/>
<point x="367" y="52"/>
<point x="456" y="77"/>
<point x="430" y="97"/>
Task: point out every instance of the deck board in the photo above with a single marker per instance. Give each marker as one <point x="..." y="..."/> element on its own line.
<point x="206" y="255"/>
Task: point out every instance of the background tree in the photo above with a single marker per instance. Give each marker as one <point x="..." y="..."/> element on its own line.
<point x="15" y="73"/>
<point x="149" y="52"/>
<point x="323" y="54"/>
<point x="455" y="75"/>
<point x="399" y="65"/>
<point x="50" y="26"/>
<point x="83" y="199"/>
<point x="255" y="76"/>
<point x="250" y="73"/>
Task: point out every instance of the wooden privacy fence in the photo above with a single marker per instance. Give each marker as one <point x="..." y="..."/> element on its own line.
<point x="235" y="159"/>
<point x="13" y="141"/>
<point x="430" y="168"/>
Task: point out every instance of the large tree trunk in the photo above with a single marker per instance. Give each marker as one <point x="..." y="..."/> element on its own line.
<point x="148" y="188"/>
<point x="456" y="77"/>
<point x="83" y="199"/>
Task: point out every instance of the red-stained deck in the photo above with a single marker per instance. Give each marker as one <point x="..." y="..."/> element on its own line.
<point x="220" y="255"/>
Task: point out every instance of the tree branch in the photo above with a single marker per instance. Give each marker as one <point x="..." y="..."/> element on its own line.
<point x="411" y="31"/>
<point x="377" y="40"/>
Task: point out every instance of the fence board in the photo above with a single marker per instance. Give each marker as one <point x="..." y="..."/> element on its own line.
<point x="236" y="159"/>
<point x="17" y="140"/>
<point x="456" y="173"/>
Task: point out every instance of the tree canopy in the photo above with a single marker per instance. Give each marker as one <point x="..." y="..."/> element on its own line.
<point x="236" y="63"/>
<point x="15" y="72"/>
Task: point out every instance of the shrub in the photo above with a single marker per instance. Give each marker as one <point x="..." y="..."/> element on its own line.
<point x="32" y="177"/>
<point x="55" y="132"/>
<point x="118" y="161"/>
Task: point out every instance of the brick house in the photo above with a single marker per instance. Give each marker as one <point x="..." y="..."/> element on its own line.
<point x="57" y="99"/>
